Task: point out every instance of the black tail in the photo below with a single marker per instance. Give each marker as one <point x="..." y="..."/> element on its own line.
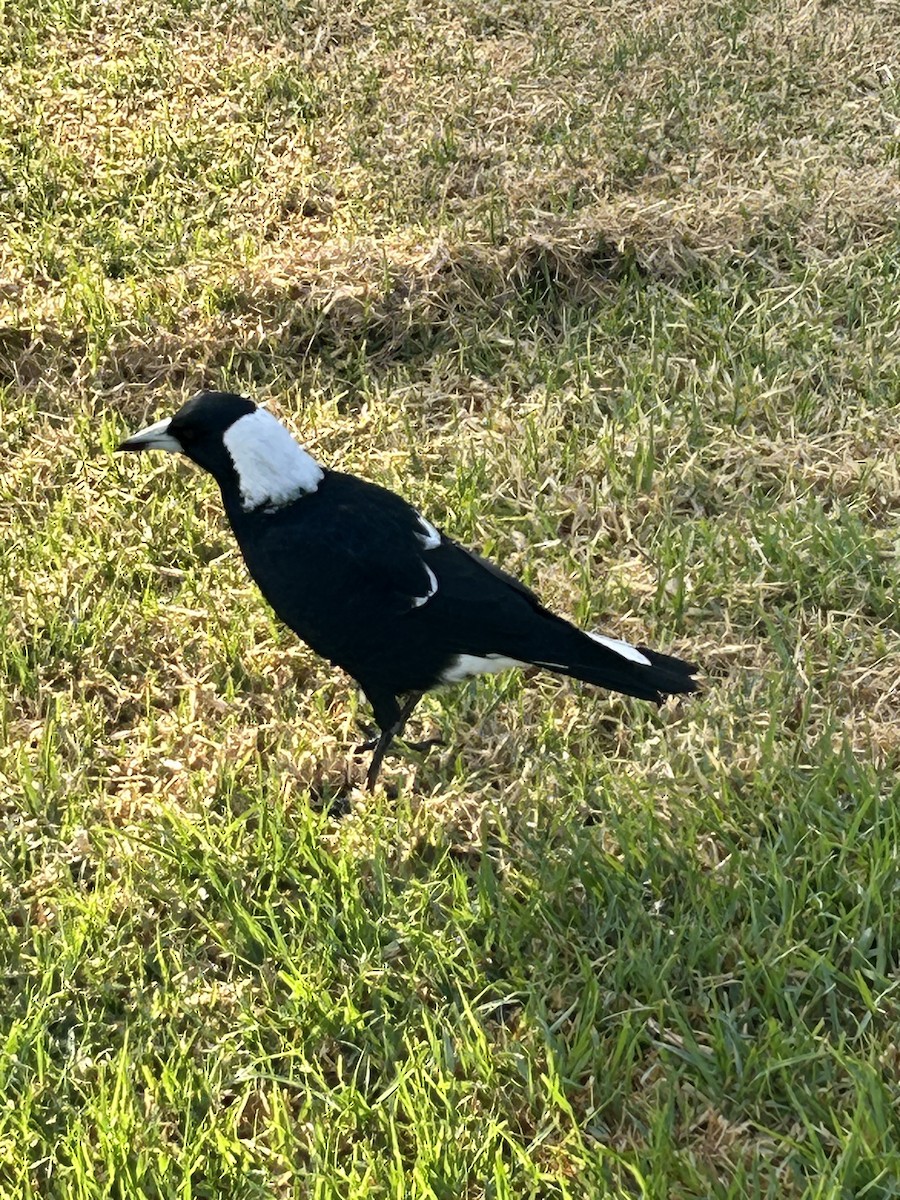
<point x="599" y="662"/>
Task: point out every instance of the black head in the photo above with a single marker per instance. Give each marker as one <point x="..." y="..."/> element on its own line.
<point x="254" y="459"/>
<point x="197" y="429"/>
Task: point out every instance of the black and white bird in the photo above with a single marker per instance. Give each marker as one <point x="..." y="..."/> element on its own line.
<point x="374" y="587"/>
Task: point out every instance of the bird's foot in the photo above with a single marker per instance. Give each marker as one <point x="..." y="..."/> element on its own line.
<point x="401" y="743"/>
<point x="421" y="747"/>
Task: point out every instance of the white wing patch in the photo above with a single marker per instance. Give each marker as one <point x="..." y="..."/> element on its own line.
<point x="467" y="666"/>
<point x="272" y="468"/>
<point x="624" y="648"/>
<point x="418" y="601"/>
<point x="430" y="538"/>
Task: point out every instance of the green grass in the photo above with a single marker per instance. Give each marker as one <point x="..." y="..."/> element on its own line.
<point x="613" y="293"/>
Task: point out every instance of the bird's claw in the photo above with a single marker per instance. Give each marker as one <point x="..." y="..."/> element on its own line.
<point x="427" y="744"/>
<point x="419" y="747"/>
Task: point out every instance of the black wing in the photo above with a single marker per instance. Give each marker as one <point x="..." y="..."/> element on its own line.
<point x="358" y="574"/>
<point x="350" y="552"/>
<point x="510" y="580"/>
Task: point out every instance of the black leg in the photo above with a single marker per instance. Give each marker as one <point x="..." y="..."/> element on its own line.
<point x="373" y="736"/>
<point x="377" y="759"/>
<point x="394" y="729"/>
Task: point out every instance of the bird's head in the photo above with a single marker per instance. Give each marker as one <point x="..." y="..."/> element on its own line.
<point x="246" y="450"/>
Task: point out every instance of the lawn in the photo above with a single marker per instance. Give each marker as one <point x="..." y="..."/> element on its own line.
<point x="612" y="292"/>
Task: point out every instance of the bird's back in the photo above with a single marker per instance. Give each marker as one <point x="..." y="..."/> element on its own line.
<point x="348" y="570"/>
<point x="358" y="575"/>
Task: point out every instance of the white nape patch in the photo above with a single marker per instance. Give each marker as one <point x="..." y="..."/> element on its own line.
<point x="272" y="468"/>
<point x="430" y="539"/>
<point x="624" y="648"/>
<point x="467" y="666"/>
<point x="418" y="601"/>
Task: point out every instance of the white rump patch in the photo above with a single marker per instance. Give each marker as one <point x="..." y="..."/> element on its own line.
<point x="272" y="468"/>
<point x="418" y="601"/>
<point x="467" y="666"/>
<point x="430" y="538"/>
<point x="624" y="648"/>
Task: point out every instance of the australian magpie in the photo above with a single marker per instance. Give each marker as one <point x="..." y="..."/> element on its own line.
<point x="374" y="587"/>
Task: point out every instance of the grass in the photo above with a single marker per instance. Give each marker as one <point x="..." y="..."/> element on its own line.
<point x="613" y="293"/>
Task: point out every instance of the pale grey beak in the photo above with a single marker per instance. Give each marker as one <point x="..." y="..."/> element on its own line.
<point x="154" y="437"/>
